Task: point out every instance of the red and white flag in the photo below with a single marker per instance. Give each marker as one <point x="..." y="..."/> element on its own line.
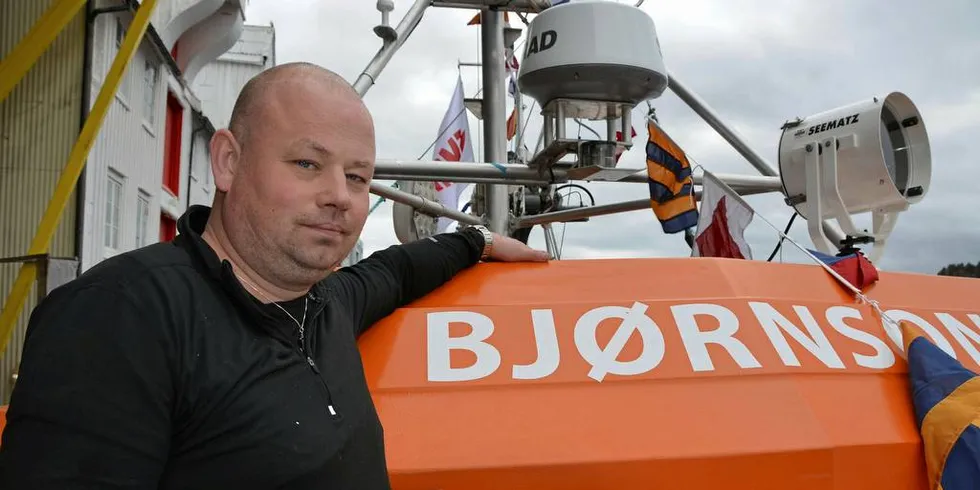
<point x="722" y="221"/>
<point x="619" y="137"/>
<point x="453" y="144"/>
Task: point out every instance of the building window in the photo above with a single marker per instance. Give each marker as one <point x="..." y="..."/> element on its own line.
<point x="113" y="203"/>
<point x="120" y="33"/>
<point x="142" y="219"/>
<point x="123" y="92"/>
<point x="172" y="145"/>
<point x="149" y="92"/>
<point x="168" y="228"/>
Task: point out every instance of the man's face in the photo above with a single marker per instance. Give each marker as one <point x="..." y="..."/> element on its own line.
<point x="299" y="197"/>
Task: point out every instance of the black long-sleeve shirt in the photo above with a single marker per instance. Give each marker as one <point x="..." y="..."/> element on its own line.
<point x="156" y="369"/>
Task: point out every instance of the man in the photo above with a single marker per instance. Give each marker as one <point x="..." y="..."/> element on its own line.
<point x="228" y="359"/>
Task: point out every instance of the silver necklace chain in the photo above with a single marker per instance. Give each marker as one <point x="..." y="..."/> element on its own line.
<point x="306" y="304"/>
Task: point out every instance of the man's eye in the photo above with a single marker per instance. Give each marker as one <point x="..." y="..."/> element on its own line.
<point x="357" y="178"/>
<point x="306" y="164"/>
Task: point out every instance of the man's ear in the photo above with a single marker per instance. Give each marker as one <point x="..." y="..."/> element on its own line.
<point x="226" y="157"/>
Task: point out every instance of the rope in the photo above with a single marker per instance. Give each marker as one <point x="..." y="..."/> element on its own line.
<point x="861" y="297"/>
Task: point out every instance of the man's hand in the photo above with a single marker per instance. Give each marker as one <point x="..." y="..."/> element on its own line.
<point x="507" y="249"/>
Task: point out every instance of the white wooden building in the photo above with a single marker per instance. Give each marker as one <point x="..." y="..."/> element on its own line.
<point x="149" y="161"/>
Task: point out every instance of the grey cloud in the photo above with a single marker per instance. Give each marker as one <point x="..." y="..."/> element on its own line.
<point x="757" y="66"/>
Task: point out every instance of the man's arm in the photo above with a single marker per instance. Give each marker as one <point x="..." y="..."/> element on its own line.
<point x="92" y="404"/>
<point x="400" y="274"/>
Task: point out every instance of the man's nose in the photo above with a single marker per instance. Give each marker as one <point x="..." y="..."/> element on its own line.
<point x="334" y="191"/>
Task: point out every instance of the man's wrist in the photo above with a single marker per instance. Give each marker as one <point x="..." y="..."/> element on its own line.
<point x="485" y="239"/>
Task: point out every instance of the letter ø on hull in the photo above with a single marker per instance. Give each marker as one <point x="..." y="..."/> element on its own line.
<point x="604" y="361"/>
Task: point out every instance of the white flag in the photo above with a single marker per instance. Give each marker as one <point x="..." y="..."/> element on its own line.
<point x="722" y="221"/>
<point x="453" y="144"/>
<point x="513" y="66"/>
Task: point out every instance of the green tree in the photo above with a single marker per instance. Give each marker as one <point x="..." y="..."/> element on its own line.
<point x="961" y="270"/>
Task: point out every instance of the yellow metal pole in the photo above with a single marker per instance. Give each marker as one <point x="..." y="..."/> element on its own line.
<point x="72" y="170"/>
<point x="19" y="61"/>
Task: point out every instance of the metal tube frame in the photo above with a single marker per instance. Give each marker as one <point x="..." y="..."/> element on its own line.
<point x="701" y="108"/>
<point x="524" y="6"/>
<point x="490" y="70"/>
<point x="518" y="117"/>
<point x="423" y="205"/>
<point x="601" y="210"/>
<point x="494" y="118"/>
<point x="470" y="180"/>
<point x="409" y="22"/>
<point x="586" y="212"/>
<point x="18" y="63"/>
<point x="73" y="169"/>
<point x="514" y="174"/>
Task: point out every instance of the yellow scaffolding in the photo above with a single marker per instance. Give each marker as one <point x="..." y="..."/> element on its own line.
<point x="21" y="59"/>
<point x="16" y="64"/>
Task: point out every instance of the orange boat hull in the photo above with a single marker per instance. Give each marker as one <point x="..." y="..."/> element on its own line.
<point x="715" y="400"/>
<point x="729" y="374"/>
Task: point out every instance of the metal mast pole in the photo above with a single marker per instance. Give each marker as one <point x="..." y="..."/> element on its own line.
<point x="709" y="116"/>
<point x="408" y="24"/>
<point x="494" y="108"/>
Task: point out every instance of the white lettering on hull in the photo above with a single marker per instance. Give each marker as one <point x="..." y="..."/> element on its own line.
<point x="696" y="340"/>
<point x="698" y="325"/>
<point x="604" y="361"/>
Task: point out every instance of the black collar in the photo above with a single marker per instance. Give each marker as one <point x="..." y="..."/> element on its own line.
<point x="190" y="227"/>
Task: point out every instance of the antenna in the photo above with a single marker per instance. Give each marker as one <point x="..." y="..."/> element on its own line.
<point x="384" y="30"/>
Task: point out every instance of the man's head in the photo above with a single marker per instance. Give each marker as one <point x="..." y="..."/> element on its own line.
<point x="293" y="172"/>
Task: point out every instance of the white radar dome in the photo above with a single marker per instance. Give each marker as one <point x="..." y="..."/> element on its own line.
<point x="592" y="50"/>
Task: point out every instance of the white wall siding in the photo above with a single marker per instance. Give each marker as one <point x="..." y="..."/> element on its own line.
<point x="209" y="39"/>
<point x="174" y="17"/>
<point x="130" y="145"/>
<point x="123" y="178"/>
<point x="218" y="84"/>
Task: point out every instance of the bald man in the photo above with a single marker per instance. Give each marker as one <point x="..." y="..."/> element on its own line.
<point x="227" y="359"/>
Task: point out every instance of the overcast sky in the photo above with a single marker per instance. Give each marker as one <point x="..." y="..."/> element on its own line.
<point x="757" y="63"/>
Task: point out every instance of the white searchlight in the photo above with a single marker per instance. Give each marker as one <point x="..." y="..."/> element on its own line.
<point x="871" y="156"/>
